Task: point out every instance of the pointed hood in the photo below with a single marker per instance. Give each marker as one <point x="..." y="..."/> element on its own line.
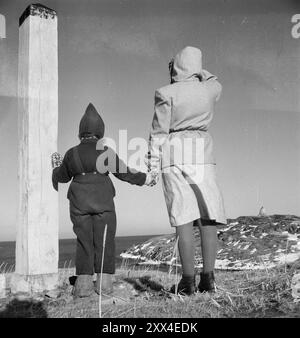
<point x="91" y="123"/>
<point x="187" y="64"/>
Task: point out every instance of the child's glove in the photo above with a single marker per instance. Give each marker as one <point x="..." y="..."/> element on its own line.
<point x="151" y="179"/>
<point x="56" y="160"/>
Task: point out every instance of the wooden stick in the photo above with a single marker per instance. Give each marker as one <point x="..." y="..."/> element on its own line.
<point x="173" y="254"/>
<point x="103" y="252"/>
<point x="176" y="284"/>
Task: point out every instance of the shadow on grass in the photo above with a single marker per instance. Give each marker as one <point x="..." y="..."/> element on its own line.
<point x="24" y="309"/>
<point x="144" y="283"/>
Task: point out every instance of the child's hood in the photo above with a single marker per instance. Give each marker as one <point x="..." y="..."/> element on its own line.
<point x="187" y="64"/>
<point x="91" y="122"/>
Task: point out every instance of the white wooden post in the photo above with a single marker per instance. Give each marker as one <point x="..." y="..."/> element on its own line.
<point x="37" y="224"/>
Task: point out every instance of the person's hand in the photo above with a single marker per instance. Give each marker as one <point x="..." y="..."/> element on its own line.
<point x="56" y="160"/>
<point x="147" y="161"/>
<point x="151" y="179"/>
<point x="152" y="163"/>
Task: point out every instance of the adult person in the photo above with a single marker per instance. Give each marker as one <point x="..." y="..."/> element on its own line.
<point x="182" y="148"/>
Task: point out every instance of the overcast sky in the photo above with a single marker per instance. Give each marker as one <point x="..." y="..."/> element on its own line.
<point x="115" y="54"/>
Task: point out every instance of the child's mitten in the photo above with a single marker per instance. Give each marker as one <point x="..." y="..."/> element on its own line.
<point x="152" y="178"/>
<point x="56" y="160"/>
<point x="152" y="162"/>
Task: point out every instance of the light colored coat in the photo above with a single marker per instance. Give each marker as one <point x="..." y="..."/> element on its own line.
<point x="184" y="110"/>
<point x="180" y="144"/>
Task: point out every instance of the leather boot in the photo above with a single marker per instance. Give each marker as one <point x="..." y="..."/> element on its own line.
<point x="207" y="282"/>
<point x="107" y="286"/>
<point x="84" y="286"/>
<point x="186" y="286"/>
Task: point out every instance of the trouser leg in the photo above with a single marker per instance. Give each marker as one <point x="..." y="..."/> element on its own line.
<point x="107" y="219"/>
<point x="83" y="228"/>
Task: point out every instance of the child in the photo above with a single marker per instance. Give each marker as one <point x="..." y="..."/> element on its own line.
<point x="91" y="204"/>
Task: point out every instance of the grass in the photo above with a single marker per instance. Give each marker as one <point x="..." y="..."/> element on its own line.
<point x="6" y="268"/>
<point x="142" y="293"/>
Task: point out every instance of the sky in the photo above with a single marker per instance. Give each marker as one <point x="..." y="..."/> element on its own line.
<point x="115" y="54"/>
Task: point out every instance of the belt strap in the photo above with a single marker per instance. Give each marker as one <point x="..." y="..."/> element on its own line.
<point x="185" y="129"/>
<point x="88" y="174"/>
<point x="79" y="163"/>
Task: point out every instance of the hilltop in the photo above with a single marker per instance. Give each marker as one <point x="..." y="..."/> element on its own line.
<point x="246" y="243"/>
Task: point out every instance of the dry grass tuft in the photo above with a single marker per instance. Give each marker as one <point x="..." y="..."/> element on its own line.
<point x="143" y="293"/>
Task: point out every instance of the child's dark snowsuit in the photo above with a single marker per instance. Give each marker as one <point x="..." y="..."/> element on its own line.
<point x="91" y="197"/>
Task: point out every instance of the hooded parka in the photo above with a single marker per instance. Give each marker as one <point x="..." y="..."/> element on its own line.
<point x="180" y="144"/>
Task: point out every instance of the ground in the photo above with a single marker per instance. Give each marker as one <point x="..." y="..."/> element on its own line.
<point x="141" y="292"/>
<point x="257" y="258"/>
